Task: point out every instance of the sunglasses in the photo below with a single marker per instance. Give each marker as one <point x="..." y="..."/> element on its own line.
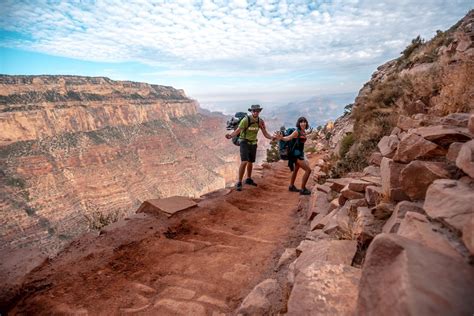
<point x="256" y="110"/>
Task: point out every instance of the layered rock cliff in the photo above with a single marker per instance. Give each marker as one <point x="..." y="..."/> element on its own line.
<point x="80" y="152"/>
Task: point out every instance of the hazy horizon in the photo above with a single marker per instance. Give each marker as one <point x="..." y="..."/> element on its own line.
<point x="225" y="54"/>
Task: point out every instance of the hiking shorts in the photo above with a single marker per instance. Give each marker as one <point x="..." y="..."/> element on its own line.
<point x="248" y="152"/>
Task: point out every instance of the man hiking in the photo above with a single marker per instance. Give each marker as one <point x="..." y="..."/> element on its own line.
<point x="248" y="129"/>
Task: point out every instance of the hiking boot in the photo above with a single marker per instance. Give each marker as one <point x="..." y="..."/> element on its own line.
<point x="305" y="192"/>
<point x="250" y="182"/>
<point x="292" y="188"/>
<point x="238" y="186"/>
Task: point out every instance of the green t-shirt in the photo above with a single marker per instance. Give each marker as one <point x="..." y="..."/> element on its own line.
<point x="250" y="133"/>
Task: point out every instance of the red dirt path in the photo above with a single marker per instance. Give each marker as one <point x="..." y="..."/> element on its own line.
<point x="202" y="261"/>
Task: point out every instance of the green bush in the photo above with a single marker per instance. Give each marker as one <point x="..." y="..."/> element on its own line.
<point x="273" y="154"/>
<point x="346" y="143"/>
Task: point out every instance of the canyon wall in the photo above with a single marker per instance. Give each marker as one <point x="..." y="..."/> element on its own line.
<point x="79" y="152"/>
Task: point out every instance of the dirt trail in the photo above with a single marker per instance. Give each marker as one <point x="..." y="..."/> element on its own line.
<point x="203" y="261"/>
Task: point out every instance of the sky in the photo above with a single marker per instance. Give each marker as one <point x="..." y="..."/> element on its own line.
<point x="222" y="53"/>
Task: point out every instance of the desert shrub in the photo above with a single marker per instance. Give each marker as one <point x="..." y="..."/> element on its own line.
<point x="98" y="220"/>
<point x="346" y="143"/>
<point x="412" y="47"/>
<point x="273" y="154"/>
<point x="15" y="182"/>
<point x="310" y="149"/>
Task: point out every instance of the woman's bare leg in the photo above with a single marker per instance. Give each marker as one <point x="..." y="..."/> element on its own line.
<point x="293" y="175"/>
<point x="307" y="171"/>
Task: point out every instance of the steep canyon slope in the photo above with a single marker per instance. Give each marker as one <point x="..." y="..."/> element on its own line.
<point x="79" y="152"/>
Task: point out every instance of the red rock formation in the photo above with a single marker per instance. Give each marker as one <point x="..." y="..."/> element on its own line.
<point x="79" y="152"/>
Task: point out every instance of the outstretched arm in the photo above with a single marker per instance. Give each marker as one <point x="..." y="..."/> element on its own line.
<point x="289" y="137"/>
<point x="234" y="133"/>
<point x="266" y="134"/>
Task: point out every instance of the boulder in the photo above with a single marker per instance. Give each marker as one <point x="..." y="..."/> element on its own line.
<point x="443" y="135"/>
<point x="375" y="158"/>
<point x="390" y="172"/>
<point x="373" y="195"/>
<point x="415" y="226"/>
<point x="450" y="201"/>
<point x="338" y="184"/>
<point x="321" y="220"/>
<point x="339" y="225"/>
<point x="323" y="188"/>
<point x="406" y="123"/>
<point x="465" y="159"/>
<point x="418" y="175"/>
<point x="358" y="185"/>
<point x="258" y="301"/>
<point x="366" y="226"/>
<point x="317" y="235"/>
<point x="387" y="145"/>
<point x="288" y="255"/>
<point x="334" y="204"/>
<point x="468" y="235"/>
<point x="324" y="289"/>
<point x="382" y="211"/>
<point x="470" y="124"/>
<point x="413" y="146"/>
<point x="341" y="200"/>
<point x="377" y="181"/>
<point x="393" y="223"/>
<point x="353" y="205"/>
<point x="455" y="119"/>
<point x="453" y="151"/>
<point x="329" y="251"/>
<point x="403" y="277"/>
<point x="318" y="204"/>
<point x="372" y="171"/>
<point x="351" y="195"/>
<point x="396" y="131"/>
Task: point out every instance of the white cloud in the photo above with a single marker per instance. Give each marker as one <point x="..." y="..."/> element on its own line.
<point x="218" y="37"/>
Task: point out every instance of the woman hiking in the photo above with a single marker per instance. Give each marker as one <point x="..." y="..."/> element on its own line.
<point x="297" y="158"/>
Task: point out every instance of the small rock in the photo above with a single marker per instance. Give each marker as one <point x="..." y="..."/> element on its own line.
<point x="375" y="158"/>
<point x="387" y="145"/>
<point x="470" y="124"/>
<point x="372" y="171"/>
<point x="366" y="227"/>
<point x="358" y="185"/>
<point x="395" y="131"/>
<point x="403" y="207"/>
<point x="351" y="195"/>
<point x="288" y="255"/>
<point x="373" y="195"/>
<point x="383" y="211"/>
<point x="465" y="159"/>
<point x="450" y="201"/>
<point x="418" y="175"/>
<point x="453" y="151"/>
<point x="390" y="172"/>
<point x="338" y="184"/>
<point x="258" y="302"/>
<point x="339" y="225"/>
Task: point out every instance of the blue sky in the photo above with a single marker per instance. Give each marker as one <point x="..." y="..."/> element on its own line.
<point x="219" y="52"/>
